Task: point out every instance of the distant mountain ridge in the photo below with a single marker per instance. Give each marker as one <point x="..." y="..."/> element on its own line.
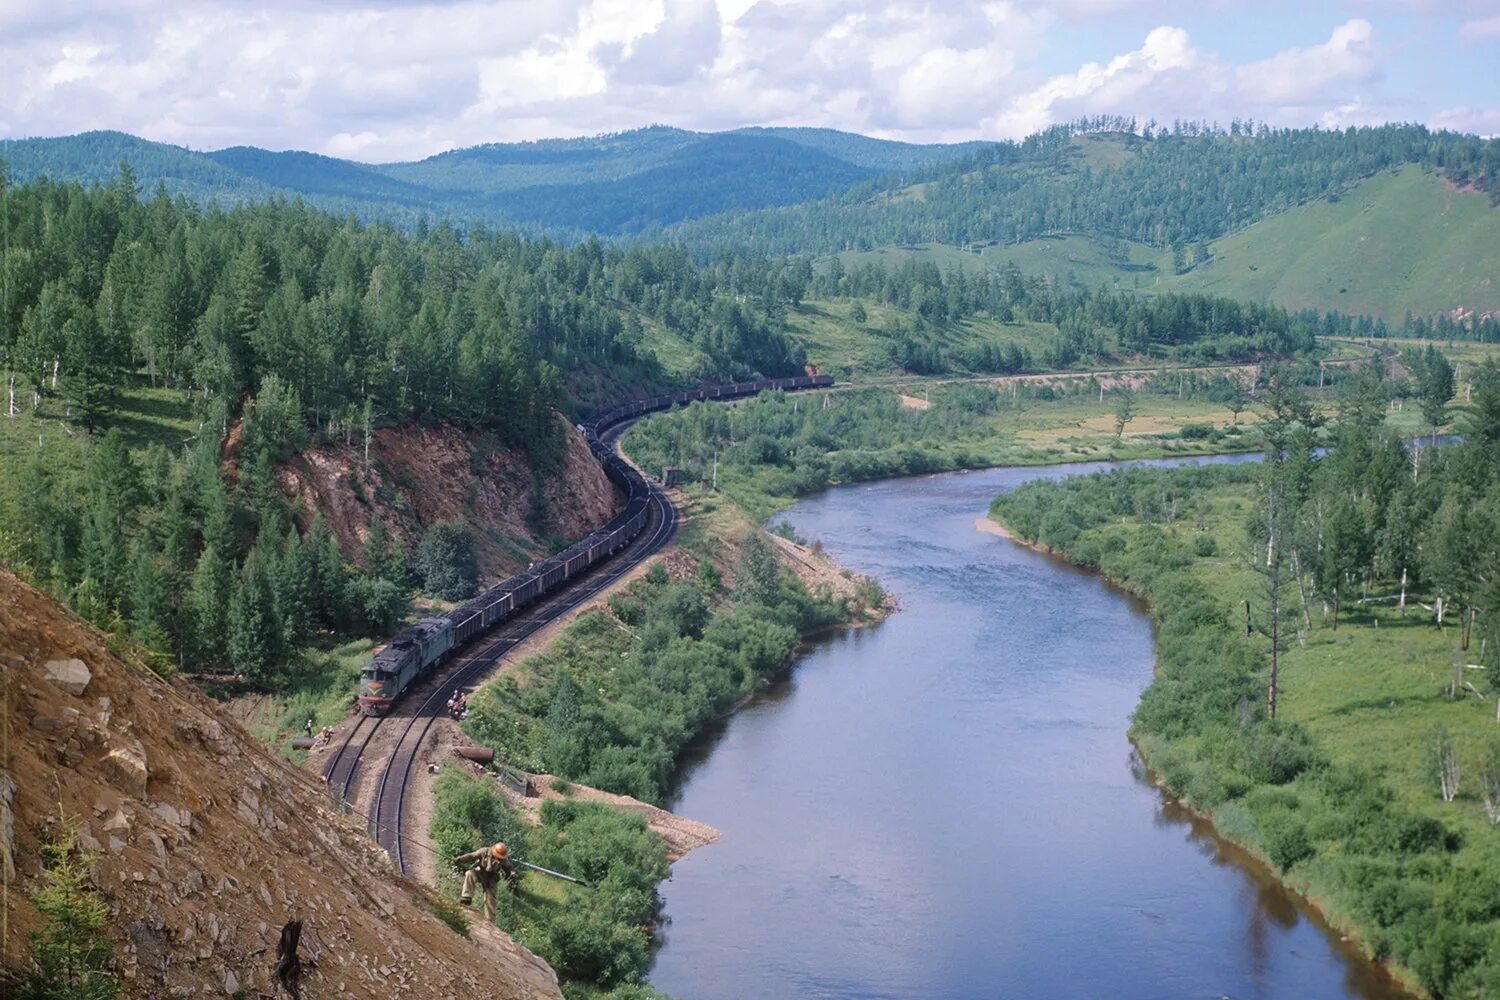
<point x="1096" y="200"/>
<point x="614" y="185"/>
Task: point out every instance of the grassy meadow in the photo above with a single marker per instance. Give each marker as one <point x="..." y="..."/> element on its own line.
<point x="1341" y="793"/>
<point x="1329" y="254"/>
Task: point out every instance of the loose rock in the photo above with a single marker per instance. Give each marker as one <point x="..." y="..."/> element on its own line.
<point x="72" y="676"/>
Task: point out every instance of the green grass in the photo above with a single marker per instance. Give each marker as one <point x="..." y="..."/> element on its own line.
<point x="836" y="343"/>
<point x="1370" y="690"/>
<point x="677" y="356"/>
<point x="1076" y="261"/>
<point x="320" y="684"/>
<point x="145" y="416"/>
<point x="1075" y="428"/>
<point x="1367" y="694"/>
<point x="1404" y="240"/>
<point x="1079" y="261"/>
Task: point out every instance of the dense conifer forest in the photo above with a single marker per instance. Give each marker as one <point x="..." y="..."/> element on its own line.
<point x="1177" y="185"/>
<point x="274" y="326"/>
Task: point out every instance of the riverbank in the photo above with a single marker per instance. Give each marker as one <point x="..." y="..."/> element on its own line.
<point x="611" y="703"/>
<point x="1337" y="796"/>
<point x="765" y="453"/>
<point x="963" y="799"/>
<point x="1243" y="851"/>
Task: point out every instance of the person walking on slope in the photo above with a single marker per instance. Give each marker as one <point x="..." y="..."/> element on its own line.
<point x="489" y="863"/>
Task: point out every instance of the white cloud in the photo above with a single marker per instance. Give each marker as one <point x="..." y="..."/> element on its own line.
<point x="1297" y="76"/>
<point x="1481" y="29"/>
<point x="1166" y="54"/>
<point x="385" y="79"/>
<point x="1478" y="121"/>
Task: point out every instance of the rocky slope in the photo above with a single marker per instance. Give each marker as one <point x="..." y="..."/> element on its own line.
<point x="202" y="843"/>
<point x="417" y="475"/>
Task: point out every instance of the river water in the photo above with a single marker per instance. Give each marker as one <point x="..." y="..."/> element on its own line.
<point x="945" y="805"/>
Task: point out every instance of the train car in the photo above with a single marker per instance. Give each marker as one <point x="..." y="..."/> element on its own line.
<point x="418" y="648"/>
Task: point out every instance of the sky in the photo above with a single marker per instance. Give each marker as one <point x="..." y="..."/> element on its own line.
<point x="381" y="80"/>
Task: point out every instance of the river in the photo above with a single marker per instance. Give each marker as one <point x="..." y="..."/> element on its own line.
<point x="945" y="805"/>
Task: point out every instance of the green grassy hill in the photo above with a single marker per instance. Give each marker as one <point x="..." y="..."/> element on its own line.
<point x="1077" y="261"/>
<point x="1403" y="240"/>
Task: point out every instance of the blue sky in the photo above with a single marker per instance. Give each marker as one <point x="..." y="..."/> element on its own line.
<point x="392" y="79"/>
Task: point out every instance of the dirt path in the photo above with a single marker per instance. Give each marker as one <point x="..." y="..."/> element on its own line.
<point x="1109" y="377"/>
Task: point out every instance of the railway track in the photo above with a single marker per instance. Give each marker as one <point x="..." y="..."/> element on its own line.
<point x="416" y="714"/>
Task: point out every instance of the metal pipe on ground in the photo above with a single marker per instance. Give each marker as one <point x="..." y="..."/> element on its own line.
<point x="549" y="871"/>
<point x="479" y="755"/>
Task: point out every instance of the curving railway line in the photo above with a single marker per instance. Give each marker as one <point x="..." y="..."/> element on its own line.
<point x="413" y="718"/>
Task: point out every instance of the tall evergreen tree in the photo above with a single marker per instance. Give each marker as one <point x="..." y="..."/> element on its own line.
<point x="255" y="643"/>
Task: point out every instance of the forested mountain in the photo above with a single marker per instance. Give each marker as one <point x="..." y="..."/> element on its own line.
<point x="274" y="326"/>
<point x="1294" y="217"/>
<point x="612" y="184"/>
<point x="1158" y="186"/>
<point x="877" y="154"/>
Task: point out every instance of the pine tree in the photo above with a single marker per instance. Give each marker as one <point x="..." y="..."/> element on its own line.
<point x="218" y="516"/>
<point x="104" y="556"/>
<point x="208" y="602"/>
<point x="148" y="599"/>
<point x="329" y="579"/>
<point x="72" y="951"/>
<point x="293" y="580"/>
<point x="1434" y="388"/>
<point x="92" y="361"/>
<point x="255" y="646"/>
<point x="114" y="477"/>
<point x="383" y="556"/>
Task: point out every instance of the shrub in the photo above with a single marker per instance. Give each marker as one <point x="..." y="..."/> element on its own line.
<point x="71" y="954"/>
<point x="1205" y="546"/>
<point x="1285" y="838"/>
<point x="444" y="561"/>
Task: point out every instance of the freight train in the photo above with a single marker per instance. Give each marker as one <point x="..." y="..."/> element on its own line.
<point x="414" y="652"/>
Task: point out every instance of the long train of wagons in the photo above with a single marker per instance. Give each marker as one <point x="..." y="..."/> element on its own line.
<point x="416" y="650"/>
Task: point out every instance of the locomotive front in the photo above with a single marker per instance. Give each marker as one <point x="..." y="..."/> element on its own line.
<point x="380" y="680"/>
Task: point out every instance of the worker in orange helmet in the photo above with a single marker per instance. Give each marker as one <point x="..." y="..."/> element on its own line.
<point x="488" y="864"/>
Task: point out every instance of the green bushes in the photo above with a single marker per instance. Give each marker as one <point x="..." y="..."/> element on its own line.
<point x="70" y="952"/>
<point x="1196" y="432"/>
<point x="1396" y="872"/>
<point x="623" y="691"/>
<point x="595" y="936"/>
<point x="444" y="561"/>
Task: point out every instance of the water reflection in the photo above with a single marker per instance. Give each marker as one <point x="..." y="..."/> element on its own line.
<point x="947" y="806"/>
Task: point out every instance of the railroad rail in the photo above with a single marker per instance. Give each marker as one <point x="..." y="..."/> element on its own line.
<point x="416" y="714"/>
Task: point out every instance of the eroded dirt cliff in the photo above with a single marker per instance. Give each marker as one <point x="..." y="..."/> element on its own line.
<point x="417" y="475"/>
<point x="202" y="843"/>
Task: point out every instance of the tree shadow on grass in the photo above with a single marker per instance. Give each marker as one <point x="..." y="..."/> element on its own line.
<point x="1387" y="704"/>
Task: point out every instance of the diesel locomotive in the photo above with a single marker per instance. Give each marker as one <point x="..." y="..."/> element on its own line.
<point x="418" y="649"/>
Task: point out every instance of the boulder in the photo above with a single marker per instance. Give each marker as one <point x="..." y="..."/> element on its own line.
<point x="46" y="723"/>
<point x="72" y="676"/>
<point x="127" y="767"/>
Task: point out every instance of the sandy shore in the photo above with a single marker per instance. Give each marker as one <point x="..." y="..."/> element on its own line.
<point x="992" y="527"/>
